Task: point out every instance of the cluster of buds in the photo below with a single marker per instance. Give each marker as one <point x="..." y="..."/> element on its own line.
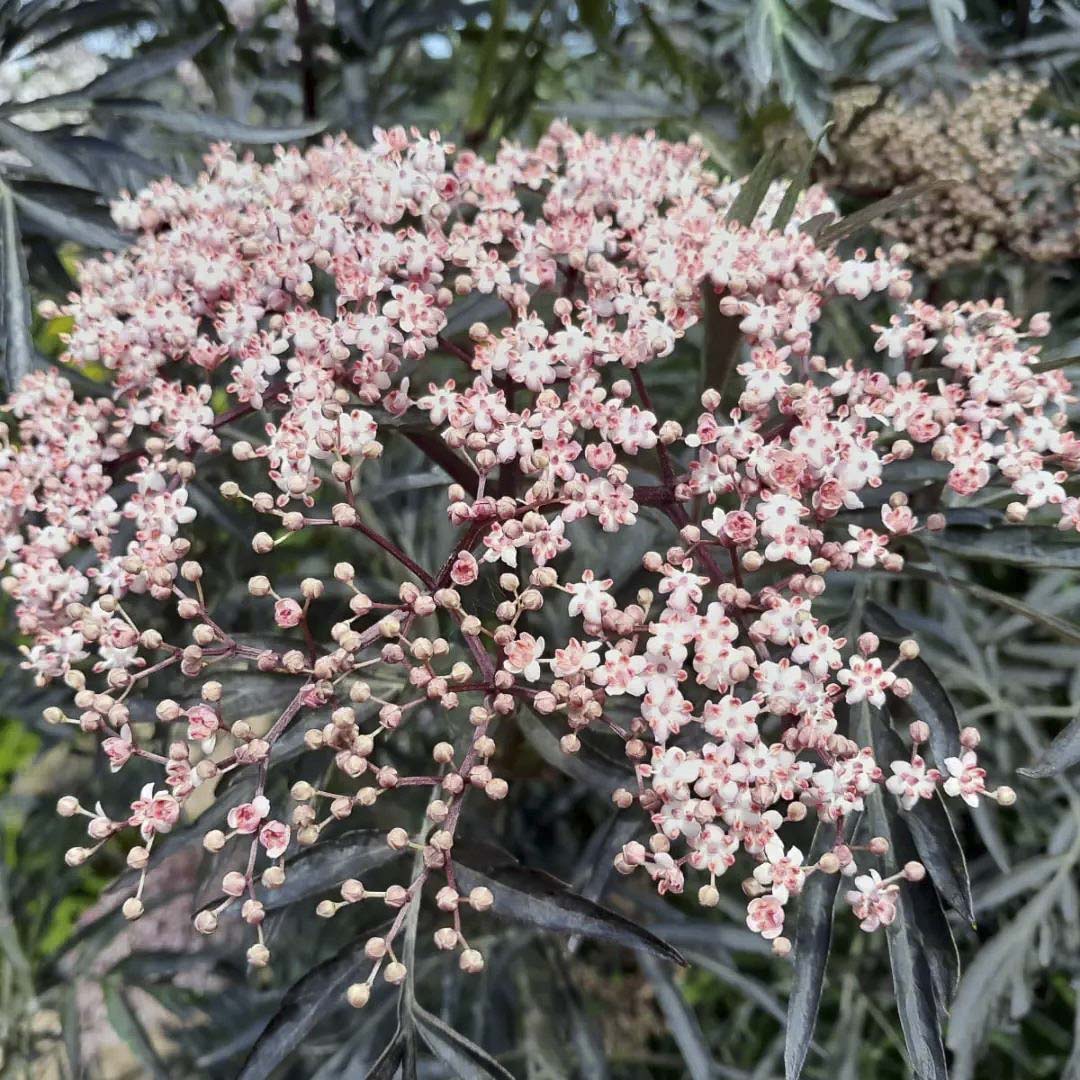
<point x="1010" y="188"/>
<point x="278" y="320"/>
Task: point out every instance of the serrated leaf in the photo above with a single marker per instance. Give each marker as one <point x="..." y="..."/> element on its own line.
<point x="538" y="899"/>
<point x="868" y="215"/>
<point x="39" y="150"/>
<point x="932" y="832"/>
<point x="208" y="125"/>
<point x="466" y="1060"/>
<point x="328" y="863"/>
<point x="19" y="354"/>
<point x="1063" y="753"/>
<point x="305" y="1004"/>
<point x="813" y="940"/>
<point x="67" y="213"/>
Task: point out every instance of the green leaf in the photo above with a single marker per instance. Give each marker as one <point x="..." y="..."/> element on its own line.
<point x="755" y="187"/>
<point x="65" y="23"/>
<point x="946" y="14"/>
<point x="674" y="57"/>
<point x="868" y="215"/>
<point x="797" y="185"/>
<point x="487" y="67"/>
<point x="67" y="213"/>
<point x="1055" y="364"/>
<point x="39" y="150"/>
<point x="1063" y="753"/>
<point x="159" y="57"/>
<point x="207" y="125"/>
<point x="870" y="8"/>
<point x="761" y="40"/>
<point x="813" y="940"/>
<point x="19" y="355"/>
<point x="720" y="347"/>
<point x="328" y="863"/>
<point x="535" y="898"/>
<point x="462" y="1056"/>
<point x="597" y="16"/>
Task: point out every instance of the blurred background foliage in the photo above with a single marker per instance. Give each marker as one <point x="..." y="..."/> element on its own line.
<point x="101" y="95"/>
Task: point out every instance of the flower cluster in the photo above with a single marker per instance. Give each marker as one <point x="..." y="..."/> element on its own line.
<point x="1010" y="187"/>
<point x="290" y="319"/>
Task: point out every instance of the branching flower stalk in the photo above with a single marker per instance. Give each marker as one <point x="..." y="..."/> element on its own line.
<point x="313" y="295"/>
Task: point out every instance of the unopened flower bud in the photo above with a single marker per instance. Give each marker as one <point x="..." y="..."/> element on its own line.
<point x="471" y="962"/>
<point x="480" y="898"/>
<point x="258" y="955"/>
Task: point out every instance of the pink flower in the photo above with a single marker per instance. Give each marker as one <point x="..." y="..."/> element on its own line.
<point x="965" y="778"/>
<point x="872" y="902"/>
<point x="288" y="613"/>
<point x="154" y="812"/>
<point x="203" y="723"/>
<point x="118" y="749"/>
<point x="465" y="569"/>
<point x="523" y="656"/>
<point x="765" y="916"/>
<point x="246" y="817"/>
<point x="912" y="781"/>
<point x="274" y="837"/>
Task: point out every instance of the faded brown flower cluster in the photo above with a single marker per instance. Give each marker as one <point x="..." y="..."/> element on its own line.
<point x="1015" y="190"/>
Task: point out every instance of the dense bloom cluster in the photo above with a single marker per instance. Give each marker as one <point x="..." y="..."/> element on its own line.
<point x="285" y="318"/>
<point x="1012" y="184"/>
